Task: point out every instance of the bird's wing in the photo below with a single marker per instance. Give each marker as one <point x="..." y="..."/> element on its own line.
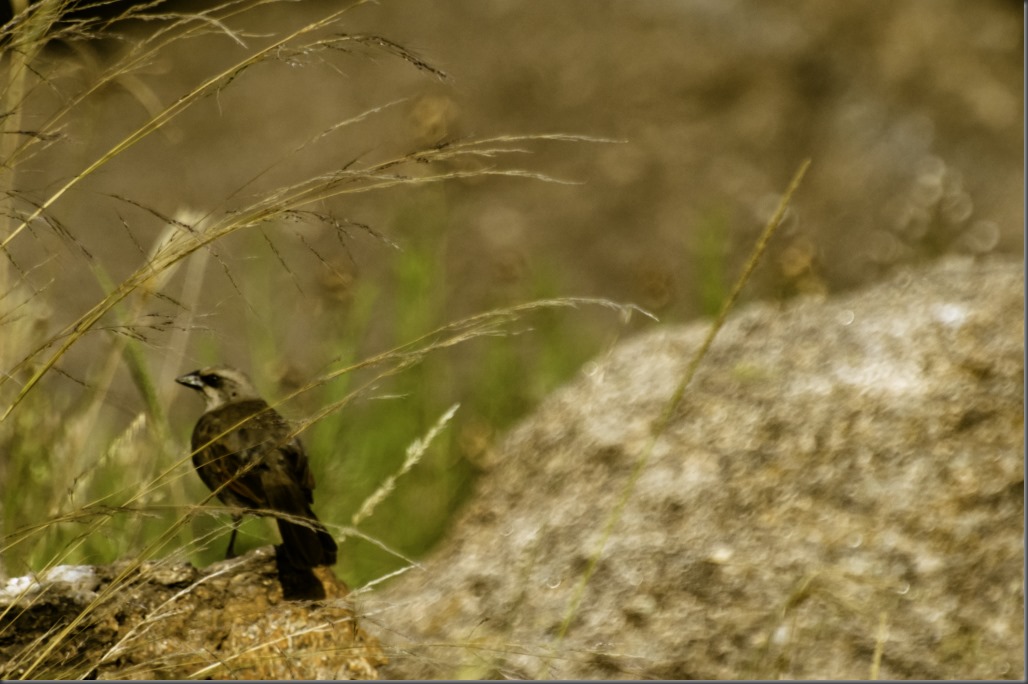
<point x="290" y="458"/>
<point x="228" y="453"/>
<point x="297" y="458"/>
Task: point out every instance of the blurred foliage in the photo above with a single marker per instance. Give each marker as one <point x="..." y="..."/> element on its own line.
<point x="714" y="111"/>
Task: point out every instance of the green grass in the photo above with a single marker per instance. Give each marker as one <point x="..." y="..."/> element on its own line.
<point x="711" y="247"/>
<point x="96" y="470"/>
<point x="496" y="379"/>
<point x="96" y="464"/>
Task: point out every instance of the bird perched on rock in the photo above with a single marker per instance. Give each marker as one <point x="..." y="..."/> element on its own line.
<point x="247" y="454"/>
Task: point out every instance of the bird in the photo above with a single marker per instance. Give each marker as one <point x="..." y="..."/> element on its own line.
<point x="247" y="454"/>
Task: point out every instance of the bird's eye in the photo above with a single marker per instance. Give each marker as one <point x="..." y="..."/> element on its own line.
<point x="211" y="380"/>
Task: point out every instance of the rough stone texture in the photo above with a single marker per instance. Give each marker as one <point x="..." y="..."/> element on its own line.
<point x="172" y="621"/>
<point x="843" y="477"/>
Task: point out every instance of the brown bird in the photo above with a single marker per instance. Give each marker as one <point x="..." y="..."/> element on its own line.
<point x="247" y="454"/>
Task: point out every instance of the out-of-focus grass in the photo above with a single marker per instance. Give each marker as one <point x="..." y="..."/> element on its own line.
<point x="94" y="471"/>
<point x="711" y="247"/>
<point x="94" y="467"/>
<point x="495" y="380"/>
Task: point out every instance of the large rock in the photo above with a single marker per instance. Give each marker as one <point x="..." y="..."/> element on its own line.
<point x="838" y="495"/>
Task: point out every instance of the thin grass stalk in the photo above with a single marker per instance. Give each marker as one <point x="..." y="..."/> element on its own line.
<point x="260" y="213"/>
<point x="111" y="590"/>
<point x="32" y="33"/>
<point x="670" y="408"/>
<point x="414" y="453"/>
<point x="172" y="111"/>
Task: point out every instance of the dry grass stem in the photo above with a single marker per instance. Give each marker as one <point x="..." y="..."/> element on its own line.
<point x="672" y="405"/>
<point x="414" y="453"/>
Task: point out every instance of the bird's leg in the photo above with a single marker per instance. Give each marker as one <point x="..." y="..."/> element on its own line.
<point x="231" y="552"/>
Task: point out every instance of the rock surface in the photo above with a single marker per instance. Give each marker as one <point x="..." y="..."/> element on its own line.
<point x="838" y="495"/>
<point x="166" y="620"/>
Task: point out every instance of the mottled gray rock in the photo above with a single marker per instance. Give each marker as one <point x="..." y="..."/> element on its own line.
<point x="842" y="483"/>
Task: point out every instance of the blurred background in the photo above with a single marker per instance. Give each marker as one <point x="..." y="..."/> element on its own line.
<point x="698" y="112"/>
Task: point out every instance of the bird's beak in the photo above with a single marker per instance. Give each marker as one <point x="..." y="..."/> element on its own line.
<point x="191" y="380"/>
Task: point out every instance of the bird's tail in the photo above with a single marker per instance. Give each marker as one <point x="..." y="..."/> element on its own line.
<point x="307" y="542"/>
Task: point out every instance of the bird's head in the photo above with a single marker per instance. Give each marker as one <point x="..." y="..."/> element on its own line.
<point x="219" y="385"/>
